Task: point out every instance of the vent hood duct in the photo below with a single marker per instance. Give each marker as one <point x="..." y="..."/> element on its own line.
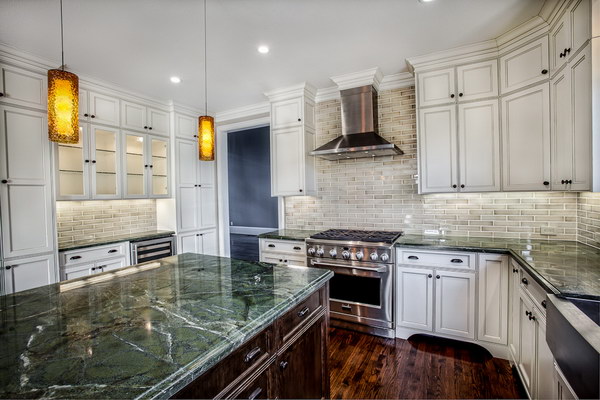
<point x="359" y="129"/>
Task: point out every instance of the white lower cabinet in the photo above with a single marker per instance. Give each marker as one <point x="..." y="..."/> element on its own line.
<point x="96" y="268"/>
<point x="527" y="338"/>
<point x="562" y="389"/>
<point x="204" y="242"/>
<point x="415" y="298"/>
<point x="93" y="260"/>
<point x="288" y="252"/>
<point x="544" y="378"/>
<point x="514" y="304"/>
<point x="455" y="303"/>
<point x="28" y="273"/>
<point x="493" y="299"/>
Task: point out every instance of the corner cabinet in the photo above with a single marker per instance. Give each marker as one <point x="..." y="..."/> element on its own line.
<point x="292" y="139"/>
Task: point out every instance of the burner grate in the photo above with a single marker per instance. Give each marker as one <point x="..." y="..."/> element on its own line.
<point x="358" y="235"/>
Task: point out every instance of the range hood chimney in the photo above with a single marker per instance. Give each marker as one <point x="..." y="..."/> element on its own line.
<point x="359" y="128"/>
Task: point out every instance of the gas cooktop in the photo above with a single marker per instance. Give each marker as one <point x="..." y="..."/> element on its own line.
<point x="358" y="235"/>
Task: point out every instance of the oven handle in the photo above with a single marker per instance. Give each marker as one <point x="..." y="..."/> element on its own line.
<point x="347" y="267"/>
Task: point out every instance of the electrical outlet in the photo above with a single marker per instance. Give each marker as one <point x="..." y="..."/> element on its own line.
<point x="432" y="232"/>
<point x="548" y="231"/>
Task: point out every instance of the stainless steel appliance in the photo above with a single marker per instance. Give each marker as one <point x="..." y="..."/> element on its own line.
<point x="152" y="249"/>
<point x="361" y="289"/>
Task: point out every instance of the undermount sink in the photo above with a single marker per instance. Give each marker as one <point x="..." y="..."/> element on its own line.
<point x="573" y="335"/>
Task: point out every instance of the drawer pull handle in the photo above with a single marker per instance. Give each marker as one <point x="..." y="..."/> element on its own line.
<point x="525" y="281"/>
<point x="456" y="261"/>
<point x="515" y="270"/>
<point x="303" y="312"/>
<point x="283" y="364"/>
<point x="255" y="394"/>
<point x="413" y="257"/>
<point x="113" y="250"/>
<point x="250" y="356"/>
<point x="297" y="248"/>
<point x="528" y="313"/>
<point x="346" y="307"/>
<point x="532" y="317"/>
<point x="271" y="245"/>
<point x="75" y="258"/>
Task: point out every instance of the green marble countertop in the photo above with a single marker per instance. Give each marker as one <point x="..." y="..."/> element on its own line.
<point x="141" y="335"/>
<point x="288" y="234"/>
<point x="83" y="243"/>
<point x="565" y="268"/>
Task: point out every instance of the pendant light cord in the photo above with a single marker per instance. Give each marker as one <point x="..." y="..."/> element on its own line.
<point x="62" y="43"/>
<point x="205" y="66"/>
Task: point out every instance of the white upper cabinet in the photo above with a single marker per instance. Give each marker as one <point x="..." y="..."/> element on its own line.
<point x="572" y="125"/>
<point x="560" y="43"/>
<point x="138" y="117"/>
<point x="581" y="25"/>
<point x="438" y="150"/>
<point x="102" y="109"/>
<point x="479" y="146"/>
<point x="526" y="139"/>
<point x="287" y="113"/>
<point x="477" y="81"/>
<point x="436" y="87"/>
<point x="25" y="190"/>
<point x="524" y="66"/>
<point x="146" y="166"/>
<point x="186" y="127"/>
<point x="22" y="87"/>
<point x="287" y="161"/>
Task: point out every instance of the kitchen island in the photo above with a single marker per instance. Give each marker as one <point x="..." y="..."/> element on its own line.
<point x="166" y="327"/>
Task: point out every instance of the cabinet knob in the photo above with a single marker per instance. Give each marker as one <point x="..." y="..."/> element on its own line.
<point x="563" y="181"/>
<point x="544" y="71"/>
<point x="569" y="181"/>
<point x="283" y="364"/>
<point x="462" y="186"/>
<point x="93" y="161"/>
<point x="1" y="94"/>
<point x="93" y="116"/>
<point x="145" y="127"/>
<point x="5" y="181"/>
<point x="561" y="55"/>
<point x="528" y="313"/>
<point x="150" y="128"/>
<point x="437" y="277"/>
<point x="515" y="270"/>
<point x="145" y="165"/>
<point x="546" y="183"/>
<point x="567" y="51"/>
<point x="300" y="190"/>
<point x="8" y="267"/>
<point x="299" y="119"/>
<point x="452" y="96"/>
<point x="460" y="95"/>
<point x="544" y="304"/>
<point x="454" y="186"/>
<point x="532" y="318"/>
<point x="86" y="115"/>
<point x="525" y="281"/>
<point x="430" y="276"/>
<point x="87" y="161"/>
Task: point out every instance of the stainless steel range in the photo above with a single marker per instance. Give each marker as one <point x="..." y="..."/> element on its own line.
<point x="362" y="286"/>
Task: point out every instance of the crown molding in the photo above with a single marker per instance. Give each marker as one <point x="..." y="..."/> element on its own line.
<point x="372" y="76"/>
<point x="463" y="54"/>
<point x="326" y="94"/>
<point x="395" y="81"/>
<point x="520" y="35"/>
<point x="551" y="9"/>
<point x="303" y="89"/>
<point x="252" y="110"/>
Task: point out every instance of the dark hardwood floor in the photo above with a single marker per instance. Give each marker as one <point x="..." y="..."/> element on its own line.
<point x="244" y="247"/>
<point x="422" y="367"/>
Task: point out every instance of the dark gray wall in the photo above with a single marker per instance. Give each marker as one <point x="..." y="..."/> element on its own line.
<point x="250" y="201"/>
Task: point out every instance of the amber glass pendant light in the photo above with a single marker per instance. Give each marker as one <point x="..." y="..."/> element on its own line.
<point x="63" y="100"/>
<point x="206" y="123"/>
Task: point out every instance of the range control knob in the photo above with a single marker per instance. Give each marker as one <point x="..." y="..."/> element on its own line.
<point x="359" y="255"/>
<point x="384" y="257"/>
<point x="311" y="251"/>
<point x="374" y="256"/>
<point x="345" y="254"/>
<point x="320" y="252"/>
<point x="333" y="253"/>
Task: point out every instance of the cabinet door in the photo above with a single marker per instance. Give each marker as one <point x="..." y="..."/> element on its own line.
<point x="524" y="66"/>
<point x="301" y="369"/>
<point x="479" y="146"/>
<point x="259" y="387"/>
<point x="28" y="273"/>
<point x="84" y="111"/>
<point x="73" y="175"/>
<point x="188" y="206"/>
<point x="544" y="379"/>
<point x="581" y="25"/>
<point x="26" y="197"/>
<point x="79" y="272"/>
<point x="208" y="207"/>
<point x="24" y="88"/>
<point x="415" y="298"/>
<point x="186" y="127"/>
<point x="563" y="390"/>
<point x="186" y="159"/>
<point x="477" y="81"/>
<point x="455" y="303"/>
<point x="581" y="117"/>
<point x="287" y="156"/>
<point x="527" y="339"/>
<point x="287" y="113"/>
<point x="135" y="166"/>
<point x="493" y="298"/>
<point x="209" y="243"/>
<point x="438" y="150"/>
<point x="133" y="116"/>
<point x="158" y="122"/>
<point x="436" y="87"/>
<point x="189" y="243"/>
<point x="526" y="139"/>
<point x="562" y="132"/>
<point x="158" y="152"/>
<point x="104" y="109"/>
<point x="514" y="315"/>
<point x="207" y="173"/>
<point x="560" y="41"/>
<point x="105" y="144"/>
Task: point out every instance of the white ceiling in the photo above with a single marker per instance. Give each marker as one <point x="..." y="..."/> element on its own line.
<point x="139" y="44"/>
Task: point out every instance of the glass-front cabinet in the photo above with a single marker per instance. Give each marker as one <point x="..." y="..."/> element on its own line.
<point x="146" y="164"/>
<point x="90" y="168"/>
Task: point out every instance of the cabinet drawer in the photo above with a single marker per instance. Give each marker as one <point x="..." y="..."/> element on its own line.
<point x="232" y="370"/>
<point x="283" y="246"/>
<point x="445" y="260"/>
<point x="276" y="258"/>
<point x="288" y="324"/>
<point x="257" y="387"/>
<point x="91" y="255"/>
<point x="535" y="291"/>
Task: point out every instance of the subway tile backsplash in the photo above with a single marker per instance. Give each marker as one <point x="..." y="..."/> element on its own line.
<point x="103" y="218"/>
<point x="381" y="193"/>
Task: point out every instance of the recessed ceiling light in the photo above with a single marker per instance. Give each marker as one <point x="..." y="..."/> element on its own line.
<point x="425" y="1"/>
<point x="175" y="79"/>
<point x="263" y="49"/>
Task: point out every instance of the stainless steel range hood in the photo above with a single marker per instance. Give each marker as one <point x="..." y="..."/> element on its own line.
<point x="359" y="129"/>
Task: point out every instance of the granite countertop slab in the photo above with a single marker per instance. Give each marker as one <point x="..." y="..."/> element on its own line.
<point x="288" y="234"/>
<point x="140" y="335"/>
<point x="91" y="242"/>
<point x="565" y="268"/>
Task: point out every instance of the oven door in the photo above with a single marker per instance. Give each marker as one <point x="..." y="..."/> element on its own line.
<point x="360" y="293"/>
